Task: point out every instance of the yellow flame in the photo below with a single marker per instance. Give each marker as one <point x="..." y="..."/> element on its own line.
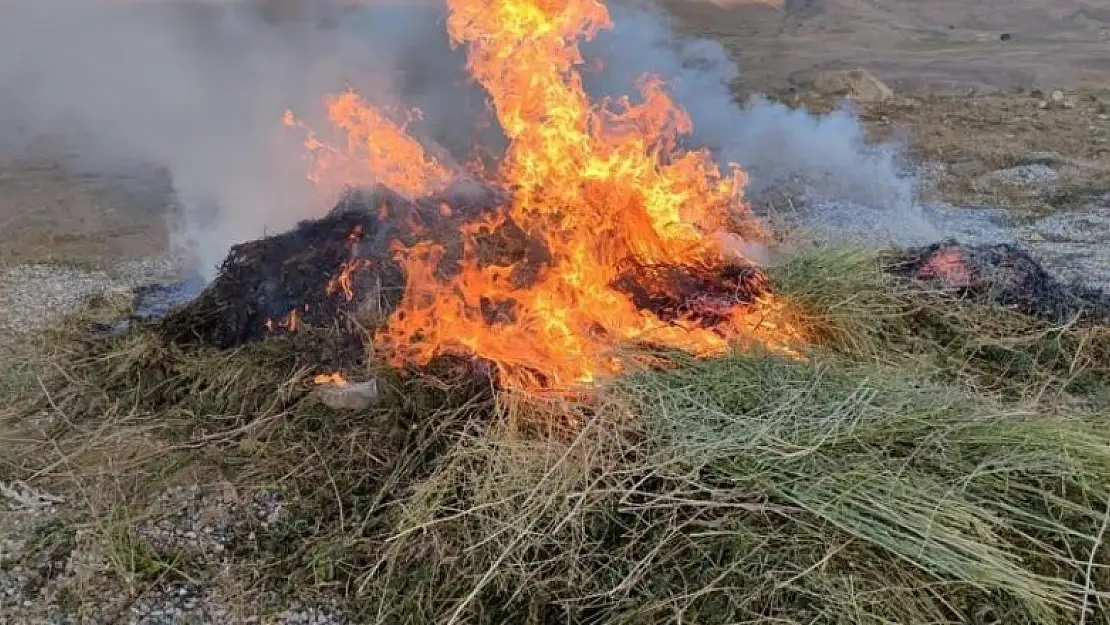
<point x="603" y="185"/>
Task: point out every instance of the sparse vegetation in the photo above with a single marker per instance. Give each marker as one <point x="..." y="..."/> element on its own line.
<point x="931" y="460"/>
<point x="974" y="138"/>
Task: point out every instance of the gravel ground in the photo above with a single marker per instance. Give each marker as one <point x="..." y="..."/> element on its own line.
<point x="32" y="295"/>
<point x="1033" y="175"/>
<point x="1075" y="245"/>
<point x="44" y="560"/>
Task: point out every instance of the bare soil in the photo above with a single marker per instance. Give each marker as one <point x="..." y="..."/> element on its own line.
<point x="948" y="46"/>
<point x="54" y="210"/>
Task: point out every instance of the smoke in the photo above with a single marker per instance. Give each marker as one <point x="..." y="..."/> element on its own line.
<point x="846" y="188"/>
<point x="199" y="88"/>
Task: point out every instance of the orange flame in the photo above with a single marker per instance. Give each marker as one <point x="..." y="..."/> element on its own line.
<point x="341" y="282"/>
<point x="602" y="185"/>
<point x="949" y="267"/>
<point x="378" y="151"/>
<point x="290" y="322"/>
<point x="330" y="379"/>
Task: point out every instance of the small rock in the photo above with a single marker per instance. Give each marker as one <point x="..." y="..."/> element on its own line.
<point x="352" y="396"/>
<point x="1051" y="159"/>
<point x="1057" y="97"/>
<point x="858" y="84"/>
<point x="268" y="507"/>
<point x="1068" y="103"/>
<point x="1027" y="175"/>
<point x="1042" y="105"/>
<point x="1104" y="117"/>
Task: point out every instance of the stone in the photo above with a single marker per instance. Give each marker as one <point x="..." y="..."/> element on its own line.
<point x="858" y="84"/>
<point x="1051" y="159"/>
<point x="1036" y="174"/>
<point x="351" y="396"/>
<point x="1057" y="97"/>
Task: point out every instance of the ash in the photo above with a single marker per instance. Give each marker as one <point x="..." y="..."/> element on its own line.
<point x="154" y="301"/>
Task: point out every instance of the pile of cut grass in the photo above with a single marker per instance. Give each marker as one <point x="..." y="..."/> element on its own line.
<point x="931" y="461"/>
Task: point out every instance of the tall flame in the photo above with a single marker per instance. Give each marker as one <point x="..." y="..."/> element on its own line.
<point x="602" y="185"/>
<point x="378" y="151"/>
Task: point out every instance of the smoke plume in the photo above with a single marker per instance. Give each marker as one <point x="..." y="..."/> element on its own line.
<point x="846" y="188"/>
<point x="200" y="87"/>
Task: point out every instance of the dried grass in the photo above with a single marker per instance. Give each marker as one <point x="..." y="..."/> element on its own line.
<point x="933" y="461"/>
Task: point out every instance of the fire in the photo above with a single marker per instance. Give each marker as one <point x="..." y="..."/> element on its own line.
<point x="378" y="151"/>
<point x="290" y="323"/>
<point x="602" y="185"/>
<point x="949" y="267"/>
<point x="342" y="282"/>
<point x="331" y="379"/>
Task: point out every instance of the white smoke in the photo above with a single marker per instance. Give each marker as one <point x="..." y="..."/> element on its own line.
<point x="199" y="87"/>
<point x="849" y="188"/>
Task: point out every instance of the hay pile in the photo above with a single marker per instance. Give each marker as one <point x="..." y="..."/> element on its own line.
<point x="881" y="480"/>
<point x="1003" y="274"/>
<point x="263" y="284"/>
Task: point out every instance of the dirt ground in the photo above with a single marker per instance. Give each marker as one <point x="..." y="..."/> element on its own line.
<point x="949" y="46"/>
<point x="52" y="211"/>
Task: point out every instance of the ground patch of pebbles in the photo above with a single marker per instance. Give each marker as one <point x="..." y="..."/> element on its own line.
<point x="209" y="525"/>
<point x="1032" y="175"/>
<point x="31" y="555"/>
<point x="31" y="296"/>
<point x="1075" y="244"/>
<point x="51" y="573"/>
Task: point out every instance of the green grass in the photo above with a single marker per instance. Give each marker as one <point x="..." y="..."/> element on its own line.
<point x="931" y="460"/>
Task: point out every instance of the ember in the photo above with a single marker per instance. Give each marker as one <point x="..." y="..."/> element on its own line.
<point x="331" y="379"/>
<point x="1003" y="274"/>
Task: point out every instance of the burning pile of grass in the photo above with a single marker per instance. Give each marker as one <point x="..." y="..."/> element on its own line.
<point x="336" y="273"/>
<point x="322" y="272"/>
<point x="876" y="481"/>
<point x="339" y="271"/>
<point x="1006" y="275"/>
